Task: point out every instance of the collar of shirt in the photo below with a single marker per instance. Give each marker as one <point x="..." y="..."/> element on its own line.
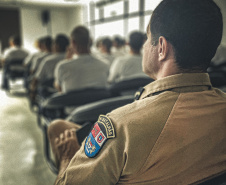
<point x="185" y="82"/>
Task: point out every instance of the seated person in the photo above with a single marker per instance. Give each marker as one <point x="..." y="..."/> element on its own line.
<point x="119" y="46"/>
<point x="46" y="69"/>
<point x="175" y="133"/>
<point x="39" y="44"/>
<point x="46" y="52"/>
<point x="129" y="66"/>
<point x="85" y="70"/>
<point x="105" y="50"/>
<point x="14" y="52"/>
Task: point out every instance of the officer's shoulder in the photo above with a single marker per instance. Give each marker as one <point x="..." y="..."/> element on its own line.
<point x="141" y="108"/>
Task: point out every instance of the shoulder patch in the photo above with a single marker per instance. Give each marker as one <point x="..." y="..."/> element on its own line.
<point x="101" y="132"/>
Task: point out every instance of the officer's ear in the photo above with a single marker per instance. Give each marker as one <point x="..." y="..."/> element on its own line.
<point x="163" y="48"/>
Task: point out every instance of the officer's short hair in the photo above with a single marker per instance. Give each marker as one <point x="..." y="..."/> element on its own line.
<point x="62" y="41"/>
<point x="136" y="40"/>
<point x="193" y="27"/>
<point x="80" y="35"/>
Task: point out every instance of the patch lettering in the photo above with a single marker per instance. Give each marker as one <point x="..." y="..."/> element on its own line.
<point x="101" y="132"/>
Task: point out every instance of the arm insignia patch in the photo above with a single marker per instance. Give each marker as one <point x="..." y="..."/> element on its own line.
<point x="101" y="132"/>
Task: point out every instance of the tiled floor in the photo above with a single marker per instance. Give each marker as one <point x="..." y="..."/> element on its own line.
<point x="21" y="146"/>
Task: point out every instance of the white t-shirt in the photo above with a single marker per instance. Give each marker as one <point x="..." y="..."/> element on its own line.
<point x="37" y="61"/>
<point x="84" y="72"/>
<point x="28" y="60"/>
<point x="127" y="67"/>
<point x="46" y="69"/>
<point x="109" y="58"/>
<point x="15" y="53"/>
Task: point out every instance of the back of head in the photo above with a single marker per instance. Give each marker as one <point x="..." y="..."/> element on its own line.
<point x="80" y="35"/>
<point x="107" y="43"/>
<point x="193" y="27"/>
<point x="62" y="42"/>
<point x="136" y="40"/>
<point x="15" y="39"/>
<point x="118" y="42"/>
<point x="48" y="43"/>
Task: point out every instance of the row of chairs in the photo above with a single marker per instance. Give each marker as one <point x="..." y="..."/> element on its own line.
<point x="88" y="104"/>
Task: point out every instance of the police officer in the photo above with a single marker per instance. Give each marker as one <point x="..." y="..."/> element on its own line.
<point x="175" y="132"/>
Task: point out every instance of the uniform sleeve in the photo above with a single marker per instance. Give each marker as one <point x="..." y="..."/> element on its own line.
<point x="105" y="168"/>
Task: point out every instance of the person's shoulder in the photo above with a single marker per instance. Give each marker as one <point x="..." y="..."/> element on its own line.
<point x="143" y="110"/>
<point x="66" y="63"/>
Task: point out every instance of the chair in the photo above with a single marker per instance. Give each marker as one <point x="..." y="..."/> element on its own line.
<point x="57" y="105"/>
<point x="12" y="70"/>
<point x="129" y="86"/>
<point x="90" y="112"/>
<point x="218" y="78"/>
<point x="218" y="180"/>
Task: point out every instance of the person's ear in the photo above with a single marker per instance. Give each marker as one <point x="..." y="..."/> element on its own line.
<point x="162" y="48"/>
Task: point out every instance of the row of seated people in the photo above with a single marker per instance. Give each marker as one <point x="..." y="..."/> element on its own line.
<point x="81" y="69"/>
<point x="62" y="69"/>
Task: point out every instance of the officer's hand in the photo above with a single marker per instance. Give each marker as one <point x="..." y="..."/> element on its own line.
<point x="66" y="145"/>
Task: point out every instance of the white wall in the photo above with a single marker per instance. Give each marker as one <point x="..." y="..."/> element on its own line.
<point x="62" y="21"/>
<point x="222" y="5"/>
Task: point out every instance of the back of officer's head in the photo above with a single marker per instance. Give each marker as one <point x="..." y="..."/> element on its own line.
<point x="62" y="42"/>
<point x="136" y="40"/>
<point x="193" y="27"/>
<point x="80" y="36"/>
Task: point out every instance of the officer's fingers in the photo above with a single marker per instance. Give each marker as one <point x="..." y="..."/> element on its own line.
<point x="73" y="132"/>
<point x="62" y="136"/>
<point x="67" y="133"/>
<point x="57" y="141"/>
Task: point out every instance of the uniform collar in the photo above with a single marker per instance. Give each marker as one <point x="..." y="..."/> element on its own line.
<point x="180" y="81"/>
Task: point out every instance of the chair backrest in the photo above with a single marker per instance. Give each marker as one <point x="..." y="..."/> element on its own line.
<point x="130" y="86"/>
<point x="218" y="78"/>
<point x="14" y="68"/>
<point x="218" y="180"/>
<point x="75" y="98"/>
<point x="90" y="112"/>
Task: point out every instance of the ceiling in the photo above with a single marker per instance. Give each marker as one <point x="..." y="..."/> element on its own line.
<point x="59" y="3"/>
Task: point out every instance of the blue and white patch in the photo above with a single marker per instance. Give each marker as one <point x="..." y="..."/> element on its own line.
<point x="101" y="132"/>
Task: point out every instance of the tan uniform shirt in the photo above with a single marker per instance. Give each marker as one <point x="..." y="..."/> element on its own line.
<point x="175" y="134"/>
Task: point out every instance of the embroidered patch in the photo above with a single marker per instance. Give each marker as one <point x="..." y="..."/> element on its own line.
<point x="101" y="132"/>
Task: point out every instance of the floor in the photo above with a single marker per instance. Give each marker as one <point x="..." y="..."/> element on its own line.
<point x="21" y="147"/>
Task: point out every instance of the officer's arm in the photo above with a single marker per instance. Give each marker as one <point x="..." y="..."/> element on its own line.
<point x="91" y="168"/>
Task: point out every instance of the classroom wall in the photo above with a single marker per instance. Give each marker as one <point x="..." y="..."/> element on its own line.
<point x="62" y="20"/>
<point x="222" y="5"/>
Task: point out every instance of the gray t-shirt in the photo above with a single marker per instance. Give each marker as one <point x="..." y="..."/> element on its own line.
<point x="37" y="61"/>
<point x="127" y="67"/>
<point x="83" y="72"/>
<point x="46" y="69"/>
<point x="15" y="53"/>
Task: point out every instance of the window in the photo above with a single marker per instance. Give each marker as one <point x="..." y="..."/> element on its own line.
<point x="133" y="6"/>
<point x="133" y="24"/>
<point x="146" y="21"/>
<point x="109" y="29"/>
<point x="113" y="9"/>
<point x="151" y="5"/>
